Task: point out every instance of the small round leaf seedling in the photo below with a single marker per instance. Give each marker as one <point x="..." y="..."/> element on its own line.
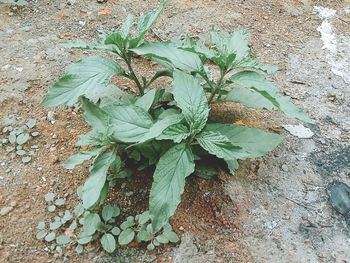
<point x="50" y="237"/>
<point x="26" y="159"/>
<point x="49" y="197"/>
<point x="108" y="243"/>
<point x="126" y="236"/>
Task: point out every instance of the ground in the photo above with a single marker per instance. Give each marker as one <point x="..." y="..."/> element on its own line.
<point x="275" y="209"/>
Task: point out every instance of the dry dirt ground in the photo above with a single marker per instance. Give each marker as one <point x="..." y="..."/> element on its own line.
<point x="275" y="209"/>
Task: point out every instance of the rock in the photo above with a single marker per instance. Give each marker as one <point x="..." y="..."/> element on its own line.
<point x="51" y="116"/>
<point x="5" y="210"/>
<point x="299" y="131"/>
<point x="339" y="197"/>
<point x="284" y="167"/>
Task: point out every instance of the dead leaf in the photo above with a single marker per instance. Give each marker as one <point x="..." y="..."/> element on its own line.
<point x="105" y="11"/>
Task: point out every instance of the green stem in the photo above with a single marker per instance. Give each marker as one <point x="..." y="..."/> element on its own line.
<point x="217" y="87"/>
<point x="127" y="59"/>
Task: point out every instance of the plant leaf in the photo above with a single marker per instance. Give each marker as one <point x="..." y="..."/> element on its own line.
<point x="145" y="22"/>
<point x="110" y="211"/>
<point x="86" y="77"/>
<point x="91" y="223"/>
<point x="129" y="123"/>
<point x="126" y="236"/>
<point x="249" y="98"/>
<point x="161" y="125"/>
<point x="63" y="240"/>
<point x="108" y="243"/>
<point x="264" y="87"/>
<point x="254" y="142"/>
<point x="191" y="99"/>
<point x="94" y="185"/>
<point x="168" y="185"/>
<point x="78" y="44"/>
<point x="171" y="56"/>
<point x="146" y="100"/>
<point x="218" y="145"/>
<point x="81" y="157"/>
<point x="176" y="133"/>
<point x="95" y="116"/>
<point x="232" y="165"/>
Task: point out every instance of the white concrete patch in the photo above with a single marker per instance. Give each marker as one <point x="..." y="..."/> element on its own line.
<point x="299" y="131"/>
<point x="338" y="46"/>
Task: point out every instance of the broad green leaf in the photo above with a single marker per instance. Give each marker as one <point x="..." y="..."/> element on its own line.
<point x="110" y="211"/>
<point x="77" y="44"/>
<point x="92" y="138"/>
<point x="125" y="28"/>
<point x="261" y="85"/>
<point x="96" y="181"/>
<point x="97" y="118"/>
<point x="171" y="56"/>
<point x="190" y="98"/>
<point x="126" y="236"/>
<point x="232" y="165"/>
<point x="254" y="142"/>
<point x="81" y="157"/>
<point x="218" y="145"/>
<point x="145" y="22"/>
<point x="168" y="185"/>
<point x="251" y="64"/>
<point x="129" y="123"/>
<point x="161" y="125"/>
<point x="91" y="222"/>
<point x="249" y="98"/>
<point x="144" y="217"/>
<point x="176" y="133"/>
<point x="108" y="243"/>
<point x="146" y="100"/>
<point x="85" y="77"/>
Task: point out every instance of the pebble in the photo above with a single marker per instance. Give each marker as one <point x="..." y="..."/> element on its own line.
<point x="284" y="167"/>
<point x="51" y="116"/>
<point x="5" y="210"/>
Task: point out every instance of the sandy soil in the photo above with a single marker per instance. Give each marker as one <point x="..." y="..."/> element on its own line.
<point x="274" y="210"/>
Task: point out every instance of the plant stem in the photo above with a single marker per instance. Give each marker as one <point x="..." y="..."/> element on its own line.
<point x="217" y="87"/>
<point x="127" y="59"/>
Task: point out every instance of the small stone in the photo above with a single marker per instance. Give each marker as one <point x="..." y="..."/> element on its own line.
<point x="284" y="167"/>
<point x="5" y="210"/>
<point x="181" y="228"/>
<point x="51" y="116"/>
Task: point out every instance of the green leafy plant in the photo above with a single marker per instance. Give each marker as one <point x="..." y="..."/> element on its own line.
<point x="17" y="139"/>
<point x="165" y="127"/>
